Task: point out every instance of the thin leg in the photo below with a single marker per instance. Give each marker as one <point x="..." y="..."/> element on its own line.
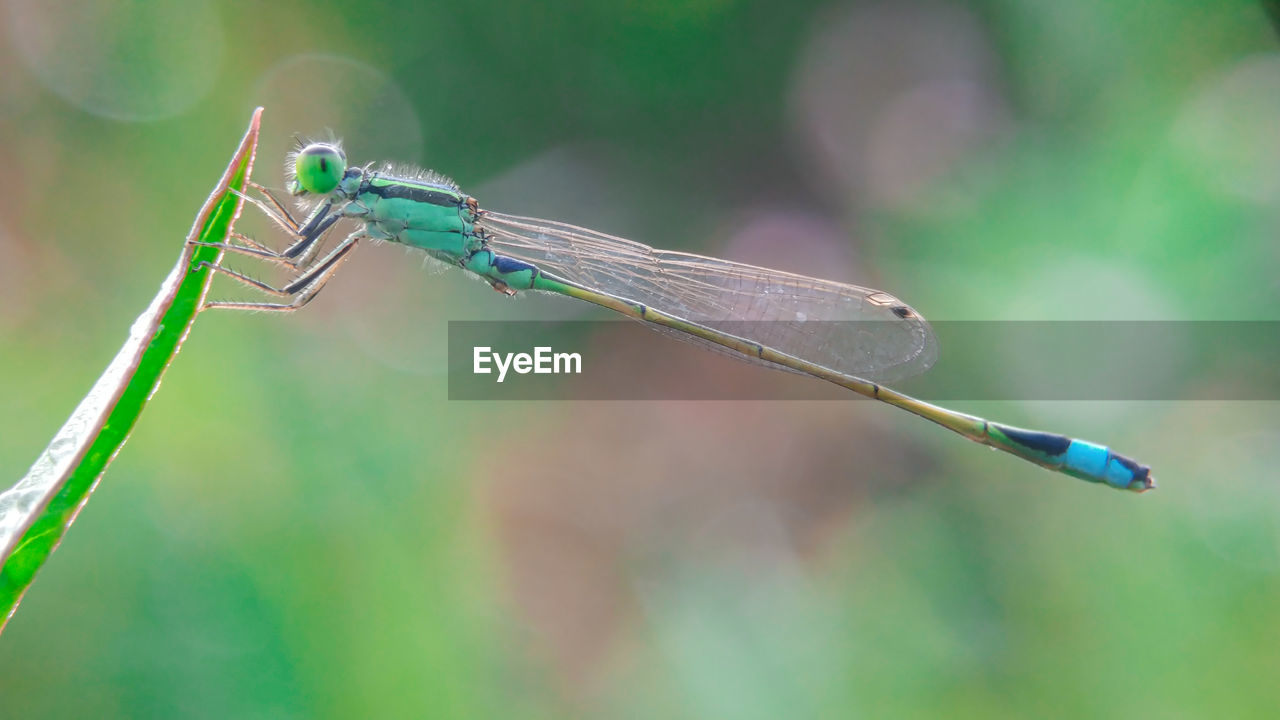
<point x="303" y="289"/>
<point x="257" y="251"/>
<point x="323" y="270"/>
<point x="275" y="202"/>
<point x="298" y="283"/>
<point x="320" y="222"/>
<point x="245" y="279"/>
<point x="251" y="242"/>
<point x="296" y="255"/>
<point x="302" y="251"/>
<point x="283" y="221"/>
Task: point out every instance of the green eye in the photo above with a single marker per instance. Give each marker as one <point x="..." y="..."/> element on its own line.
<point x="319" y="168"/>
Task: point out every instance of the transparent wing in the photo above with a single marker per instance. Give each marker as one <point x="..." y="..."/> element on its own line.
<point x="853" y="330"/>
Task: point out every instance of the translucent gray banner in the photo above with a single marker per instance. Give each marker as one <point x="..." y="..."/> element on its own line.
<point x="621" y="360"/>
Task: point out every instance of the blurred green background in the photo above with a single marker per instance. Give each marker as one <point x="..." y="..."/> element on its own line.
<point x="323" y="534"/>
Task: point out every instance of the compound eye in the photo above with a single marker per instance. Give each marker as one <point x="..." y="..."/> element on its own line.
<point x="319" y="168"/>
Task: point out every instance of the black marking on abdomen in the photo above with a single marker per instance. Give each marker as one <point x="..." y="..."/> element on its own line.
<point x="1140" y="472"/>
<point x="507" y="265"/>
<point x="1047" y="443"/>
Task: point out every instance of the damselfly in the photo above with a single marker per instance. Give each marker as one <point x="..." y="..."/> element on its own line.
<point x="843" y="334"/>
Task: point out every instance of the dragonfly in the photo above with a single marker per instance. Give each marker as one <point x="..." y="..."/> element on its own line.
<point x="851" y="336"/>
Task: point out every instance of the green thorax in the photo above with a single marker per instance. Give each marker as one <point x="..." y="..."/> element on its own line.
<point x="430" y="214"/>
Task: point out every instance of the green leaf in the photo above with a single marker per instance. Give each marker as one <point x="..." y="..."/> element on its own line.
<point x="36" y="512"/>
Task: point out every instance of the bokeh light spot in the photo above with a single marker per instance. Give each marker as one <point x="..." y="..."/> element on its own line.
<point x="132" y="61"/>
